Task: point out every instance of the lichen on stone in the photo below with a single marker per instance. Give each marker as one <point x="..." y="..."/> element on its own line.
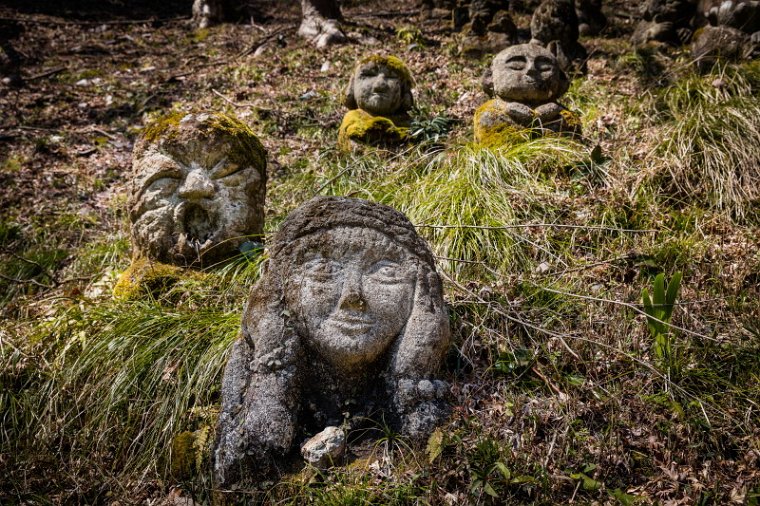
<point x="361" y="126"/>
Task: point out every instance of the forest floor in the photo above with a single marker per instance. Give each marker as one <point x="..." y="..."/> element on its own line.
<point x="562" y="392"/>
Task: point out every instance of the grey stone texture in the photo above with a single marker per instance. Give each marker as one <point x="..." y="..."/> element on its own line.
<point x="555" y="25"/>
<point x="326" y="448"/>
<point x="526" y="73"/>
<point x="743" y="15"/>
<point x="380" y="85"/>
<point x="348" y="322"/>
<point x="197" y="189"/>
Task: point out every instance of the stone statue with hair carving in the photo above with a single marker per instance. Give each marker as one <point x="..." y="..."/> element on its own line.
<point x="379" y="96"/>
<point x="525" y="81"/>
<point x="196" y="194"/>
<point x="347" y="323"/>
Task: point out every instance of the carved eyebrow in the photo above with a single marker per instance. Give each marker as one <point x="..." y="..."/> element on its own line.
<point x="224" y="169"/>
<point x="170" y="171"/>
<point x="516" y="58"/>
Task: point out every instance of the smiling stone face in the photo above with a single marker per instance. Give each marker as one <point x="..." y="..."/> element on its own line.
<point x="355" y="294"/>
<point x="527" y="73"/>
<point x="197" y="189"/>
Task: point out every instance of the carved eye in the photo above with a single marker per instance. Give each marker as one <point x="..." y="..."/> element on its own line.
<point x="386" y="271"/>
<point x="371" y="72"/>
<point x="322" y="269"/>
<point x="516" y="64"/>
<point x="544" y="64"/>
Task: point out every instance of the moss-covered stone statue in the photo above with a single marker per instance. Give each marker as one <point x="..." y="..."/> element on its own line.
<point x="525" y="81"/>
<point x="196" y="193"/>
<point x="348" y="324"/>
<point x="379" y="96"/>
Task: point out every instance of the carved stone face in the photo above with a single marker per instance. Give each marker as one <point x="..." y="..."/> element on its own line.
<point x="356" y="294"/>
<point x="378" y="89"/>
<point x="194" y="199"/>
<point x="527" y="73"/>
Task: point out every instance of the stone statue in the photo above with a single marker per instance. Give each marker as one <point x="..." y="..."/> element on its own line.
<point x="555" y="25"/>
<point x="733" y="33"/>
<point x="668" y="21"/>
<point x="379" y="96"/>
<point x="526" y="80"/>
<point x="348" y="322"/>
<point x="197" y="189"/>
<point x="490" y="28"/>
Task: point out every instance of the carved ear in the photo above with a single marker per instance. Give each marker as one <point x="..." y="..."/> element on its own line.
<point x="349" y="100"/>
<point x="487" y="81"/>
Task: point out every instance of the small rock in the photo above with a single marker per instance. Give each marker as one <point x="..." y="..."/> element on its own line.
<point x="543" y="268"/>
<point x="325" y="448"/>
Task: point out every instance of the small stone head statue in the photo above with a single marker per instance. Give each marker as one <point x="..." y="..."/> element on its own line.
<point x="526" y="73"/>
<point x="381" y="86"/>
<point x="197" y="189"/>
<point x="347" y="323"/>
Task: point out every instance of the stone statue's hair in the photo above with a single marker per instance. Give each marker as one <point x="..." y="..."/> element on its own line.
<point x="392" y="62"/>
<point x="487" y="79"/>
<point x="427" y="327"/>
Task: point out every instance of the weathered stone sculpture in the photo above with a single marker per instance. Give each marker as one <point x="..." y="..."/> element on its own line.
<point x="197" y="189"/>
<point x="526" y="80"/>
<point x="668" y="21"/>
<point x="733" y="33"/>
<point x="490" y="28"/>
<point x="555" y="25"/>
<point x="348" y="322"/>
<point x="379" y="96"/>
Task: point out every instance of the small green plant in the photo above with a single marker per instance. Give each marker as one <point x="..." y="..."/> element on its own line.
<point x="659" y="309"/>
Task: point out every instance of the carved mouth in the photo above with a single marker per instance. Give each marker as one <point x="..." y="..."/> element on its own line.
<point x="350" y="324"/>
<point x="197" y="225"/>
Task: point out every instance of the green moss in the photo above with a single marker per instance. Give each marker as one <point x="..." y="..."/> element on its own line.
<point x="391" y="62"/>
<point x="144" y="277"/>
<point x="183" y="455"/>
<point x="493" y="126"/>
<point x="246" y="147"/>
<point x="361" y="126"/>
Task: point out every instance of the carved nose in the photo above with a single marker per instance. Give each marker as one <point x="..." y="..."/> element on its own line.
<point x="197" y="185"/>
<point x="352" y="296"/>
<point x="380" y="84"/>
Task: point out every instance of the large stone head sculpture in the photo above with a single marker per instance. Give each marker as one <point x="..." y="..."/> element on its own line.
<point x="526" y="73"/>
<point x="197" y="189"/>
<point x="381" y="86"/>
<point x="347" y="322"/>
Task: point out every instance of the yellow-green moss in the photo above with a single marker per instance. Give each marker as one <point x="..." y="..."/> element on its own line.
<point x="361" y="126"/>
<point x="498" y="130"/>
<point x="183" y="455"/>
<point x="163" y="126"/>
<point x="144" y="277"/>
<point x="246" y="148"/>
<point x="390" y="61"/>
<point x="493" y="127"/>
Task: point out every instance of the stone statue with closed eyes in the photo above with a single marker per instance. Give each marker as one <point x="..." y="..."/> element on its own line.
<point x="525" y="81"/>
